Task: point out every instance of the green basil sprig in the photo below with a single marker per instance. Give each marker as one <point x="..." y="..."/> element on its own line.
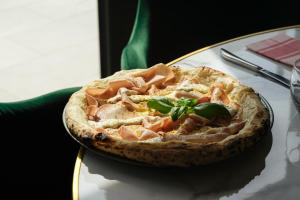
<point x="184" y="106"/>
<point x="178" y="112"/>
<point x="187" y="102"/>
<point x="162" y="105"/>
<point x="211" y="110"/>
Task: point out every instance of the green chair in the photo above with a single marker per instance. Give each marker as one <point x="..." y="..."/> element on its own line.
<point x="38" y="155"/>
<point x="134" y="54"/>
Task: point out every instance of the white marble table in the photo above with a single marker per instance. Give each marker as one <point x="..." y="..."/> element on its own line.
<point x="271" y="170"/>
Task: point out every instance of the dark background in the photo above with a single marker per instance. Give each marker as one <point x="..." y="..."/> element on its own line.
<point x="179" y="27"/>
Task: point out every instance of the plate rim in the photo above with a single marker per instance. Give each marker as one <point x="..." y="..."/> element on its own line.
<point x="134" y="162"/>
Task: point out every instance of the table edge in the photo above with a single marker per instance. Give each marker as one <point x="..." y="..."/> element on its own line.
<point x="76" y="174"/>
<point x="231" y="40"/>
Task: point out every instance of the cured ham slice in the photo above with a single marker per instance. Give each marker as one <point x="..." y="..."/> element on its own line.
<point x="209" y="136"/>
<point x="153" y="89"/>
<point x="130" y="105"/>
<point x="152" y="123"/>
<point x="157" y="80"/>
<point x="168" y="124"/>
<point x="111" y="90"/>
<point x="148" y="134"/>
<point x="92" y="108"/>
<point x="121" y="91"/>
<point x="184" y="94"/>
<point x="187" y="126"/>
<point x="159" y="75"/>
<point x="218" y="95"/>
<point x="139" y="82"/>
<point x="203" y="100"/>
<point x="140" y="85"/>
<point x="127" y="134"/>
<point x="136" y="134"/>
<point x="123" y="97"/>
<point x="91" y="100"/>
<point x="92" y="111"/>
<point x="157" y="123"/>
<point x="192" y="122"/>
<point x="198" y="119"/>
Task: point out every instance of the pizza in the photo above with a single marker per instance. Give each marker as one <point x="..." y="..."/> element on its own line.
<point x="168" y="116"/>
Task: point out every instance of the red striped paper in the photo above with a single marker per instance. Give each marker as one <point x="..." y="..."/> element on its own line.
<point x="282" y="48"/>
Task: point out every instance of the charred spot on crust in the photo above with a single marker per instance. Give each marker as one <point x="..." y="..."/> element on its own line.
<point x="86" y="139"/>
<point x="101" y="137"/>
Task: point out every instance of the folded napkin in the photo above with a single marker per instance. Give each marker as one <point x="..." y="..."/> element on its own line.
<point x="282" y="48"/>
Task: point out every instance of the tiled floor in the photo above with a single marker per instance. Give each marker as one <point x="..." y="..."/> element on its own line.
<point x="47" y="45"/>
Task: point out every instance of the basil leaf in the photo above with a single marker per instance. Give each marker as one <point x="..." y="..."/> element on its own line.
<point x="186" y="106"/>
<point x="165" y="100"/>
<point x="182" y="111"/>
<point x="162" y="105"/>
<point x="211" y="110"/>
<point x="187" y="102"/>
<point x="178" y="112"/>
<point x="174" y="113"/>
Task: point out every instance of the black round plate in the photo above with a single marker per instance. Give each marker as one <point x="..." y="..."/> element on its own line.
<point x="86" y="144"/>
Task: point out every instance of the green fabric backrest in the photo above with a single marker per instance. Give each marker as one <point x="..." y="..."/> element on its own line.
<point x="37" y="103"/>
<point x="134" y="54"/>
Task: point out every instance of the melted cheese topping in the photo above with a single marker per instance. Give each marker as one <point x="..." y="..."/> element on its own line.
<point x="116" y="123"/>
<point x="140" y="98"/>
<point x="188" y="86"/>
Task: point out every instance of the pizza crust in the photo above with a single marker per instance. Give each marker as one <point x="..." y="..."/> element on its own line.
<point x="175" y="153"/>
